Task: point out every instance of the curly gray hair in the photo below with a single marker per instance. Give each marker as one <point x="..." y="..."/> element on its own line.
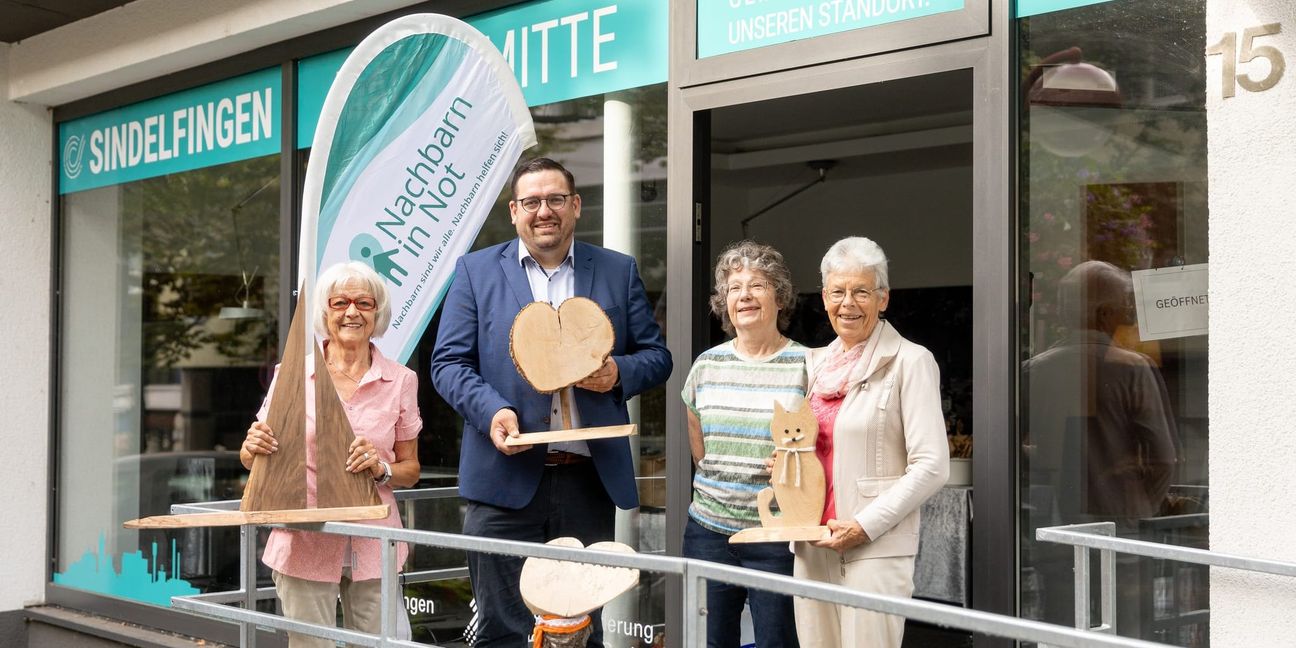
<point x="756" y="257"/>
<point x="855" y="254"/>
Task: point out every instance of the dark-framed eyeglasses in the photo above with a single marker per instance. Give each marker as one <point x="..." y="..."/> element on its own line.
<point x="361" y="303"/>
<point x="858" y="295"/>
<point x="555" y="201"/>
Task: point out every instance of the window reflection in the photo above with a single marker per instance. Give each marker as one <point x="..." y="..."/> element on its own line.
<point x="1113" y="177"/>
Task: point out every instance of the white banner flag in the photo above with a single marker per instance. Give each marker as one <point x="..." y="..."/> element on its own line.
<point x="419" y="134"/>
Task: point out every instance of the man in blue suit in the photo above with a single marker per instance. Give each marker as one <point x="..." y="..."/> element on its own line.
<point x="547" y="491"/>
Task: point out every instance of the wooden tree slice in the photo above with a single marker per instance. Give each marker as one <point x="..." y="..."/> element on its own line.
<point x="278" y="481"/>
<point x="334" y="486"/>
<point x="553" y="349"/>
<point x="569" y="589"/>
<point x="233" y="518"/>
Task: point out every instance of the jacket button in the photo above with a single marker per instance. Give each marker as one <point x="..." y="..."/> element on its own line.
<point x="546" y="420"/>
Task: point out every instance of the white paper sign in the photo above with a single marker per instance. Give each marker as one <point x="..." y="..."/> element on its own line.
<point x="1171" y="302"/>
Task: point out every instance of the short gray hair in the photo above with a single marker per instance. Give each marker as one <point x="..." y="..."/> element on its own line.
<point x="856" y="254"/>
<point x="341" y="274"/>
<point x="756" y="257"/>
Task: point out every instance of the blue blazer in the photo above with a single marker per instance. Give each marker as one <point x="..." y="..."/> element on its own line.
<point x="472" y="369"/>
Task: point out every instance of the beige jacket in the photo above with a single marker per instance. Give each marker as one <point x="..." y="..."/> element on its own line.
<point x="889" y="448"/>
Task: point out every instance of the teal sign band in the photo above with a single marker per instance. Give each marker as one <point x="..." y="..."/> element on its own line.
<point x="314" y="76"/>
<point x="725" y="26"/>
<point x="558" y="50"/>
<point x="235" y="119"/>
<point x="1027" y="8"/>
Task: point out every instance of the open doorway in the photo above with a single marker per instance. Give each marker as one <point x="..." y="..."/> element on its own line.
<point x="891" y="161"/>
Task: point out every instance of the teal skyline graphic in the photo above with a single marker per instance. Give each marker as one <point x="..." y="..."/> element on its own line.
<point x="138" y="579"/>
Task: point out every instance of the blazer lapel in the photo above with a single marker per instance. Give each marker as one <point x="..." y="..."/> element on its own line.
<point x="584" y="260"/>
<point x="514" y="274"/>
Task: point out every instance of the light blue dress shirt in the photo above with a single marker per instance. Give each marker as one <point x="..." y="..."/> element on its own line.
<point x="553" y="287"/>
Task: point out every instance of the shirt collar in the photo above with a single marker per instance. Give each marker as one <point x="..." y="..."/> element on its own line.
<point x="524" y="254"/>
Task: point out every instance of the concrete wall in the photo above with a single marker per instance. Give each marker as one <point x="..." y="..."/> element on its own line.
<point x="24" y="376"/>
<point x="1252" y="142"/>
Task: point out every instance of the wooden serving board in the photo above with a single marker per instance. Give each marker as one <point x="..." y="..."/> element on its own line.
<point x="780" y="534"/>
<point x="278" y="481"/>
<point x="582" y="434"/>
<point x="233" y="518"/>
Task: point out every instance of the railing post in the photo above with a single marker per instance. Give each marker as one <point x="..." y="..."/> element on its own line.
<point x="390" y="584"/>
<point x="1082" y="588"/>
<point x="694" y="610"/>
<point x="1107" y="589"/>
<point x="248" y="580"/>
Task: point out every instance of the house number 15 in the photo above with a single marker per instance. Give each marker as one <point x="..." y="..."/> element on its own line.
<point x="1227" y="47"/>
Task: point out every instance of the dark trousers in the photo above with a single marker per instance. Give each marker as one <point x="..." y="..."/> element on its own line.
<point x="772" y="617"/>
<point x="570" y="501"/>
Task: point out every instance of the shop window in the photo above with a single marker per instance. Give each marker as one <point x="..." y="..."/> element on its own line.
<point x="168" y="340"/>
<point x="1113" y="418"/>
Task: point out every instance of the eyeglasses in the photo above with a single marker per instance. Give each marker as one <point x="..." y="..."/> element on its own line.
<point x="361" y="303"/>
<point x="755" y="288"/>
<point x="859" y="295"/>
<point x="555" y="202"/>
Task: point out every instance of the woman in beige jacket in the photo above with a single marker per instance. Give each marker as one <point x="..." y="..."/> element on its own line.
<point x="882" y="442"/>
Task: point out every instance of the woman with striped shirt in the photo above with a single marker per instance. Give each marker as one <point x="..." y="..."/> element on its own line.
<point x="730" y="393"/>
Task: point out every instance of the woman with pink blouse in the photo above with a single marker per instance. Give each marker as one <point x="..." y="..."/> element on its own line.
<point x="312" y="570"/>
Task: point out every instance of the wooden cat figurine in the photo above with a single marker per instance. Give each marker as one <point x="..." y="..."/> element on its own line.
<point x="798" y="480"/>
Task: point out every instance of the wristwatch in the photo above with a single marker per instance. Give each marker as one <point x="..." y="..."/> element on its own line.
<point x="386" y="473"/>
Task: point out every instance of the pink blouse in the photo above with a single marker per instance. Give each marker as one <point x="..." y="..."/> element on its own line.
<point x="826" y="412"/>
<point x="384" y="409"/>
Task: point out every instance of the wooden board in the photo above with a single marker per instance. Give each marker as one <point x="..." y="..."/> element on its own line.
<point x="232" y="518"/>
<point x="278" y="481"/>
<point x="582" y="434"/>
<point x="553" y="349"/>
<point x="334" y="486"/>
<point x="570" y="589"/>
<point x="780" y="534"/>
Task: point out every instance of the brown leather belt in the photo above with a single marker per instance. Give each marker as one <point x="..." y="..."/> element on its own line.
<point x="560" y="458"/>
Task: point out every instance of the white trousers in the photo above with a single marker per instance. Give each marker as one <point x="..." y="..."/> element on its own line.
<point x="824" y="625"/>
<point x="316" y="602"/>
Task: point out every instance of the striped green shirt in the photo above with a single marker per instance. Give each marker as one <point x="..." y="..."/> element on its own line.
<point x="733" y="396"/>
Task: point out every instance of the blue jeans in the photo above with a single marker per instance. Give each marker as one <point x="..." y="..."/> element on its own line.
<point x="570" y="501"/>
<point x="772" y="617"/>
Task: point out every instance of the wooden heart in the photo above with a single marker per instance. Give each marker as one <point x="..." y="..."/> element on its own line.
<point x="553" y="349"/>
<point x="570" y="589"/>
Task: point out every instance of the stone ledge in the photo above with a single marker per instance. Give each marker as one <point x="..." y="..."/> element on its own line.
<point x="109" y="630"/>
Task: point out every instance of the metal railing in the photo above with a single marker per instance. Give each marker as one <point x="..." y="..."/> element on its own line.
<point x="694" y="573"/>
<point x="1101" y="536"/>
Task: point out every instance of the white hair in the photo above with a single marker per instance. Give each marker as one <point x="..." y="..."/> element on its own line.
<point x="855" y="254"/>
<point x="351" y="272"/>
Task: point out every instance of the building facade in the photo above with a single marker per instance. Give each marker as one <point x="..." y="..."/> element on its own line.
<point x="1078" y="198"/>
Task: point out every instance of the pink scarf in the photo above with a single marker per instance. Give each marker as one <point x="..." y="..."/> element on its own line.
<point x="844" y="368"/>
